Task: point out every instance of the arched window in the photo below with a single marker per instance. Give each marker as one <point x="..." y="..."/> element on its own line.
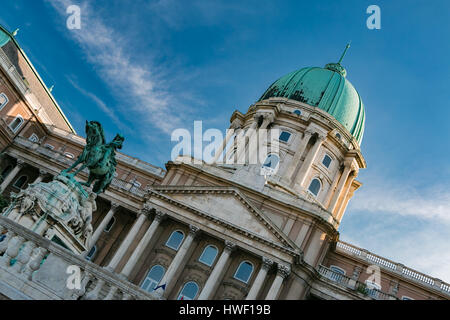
<point x="6" y="171"/>
<point x="326" y="161"/>
<point x="20" y="182"/>
<point x="34" y="138"/>
<point x="3" y="100"/>
<point x="16" y="123"/>
<point x="244" y="271"/>
<point x="110" y="224"/>
<point x="337" y="274"/>
<point x="337" y="270"/>
<point x="297" y="112"/>
<point x="189" y="291"/>
<point x="338" y="135"/>
<point x="175" y="240"/>
<point x="272" y="161"/>
<point x="91" y="253"/>
<point x="208" y="256"/>
<point x="314" y="186"/>
<point x="153" y="277"/>
<point x="284" y="136"/>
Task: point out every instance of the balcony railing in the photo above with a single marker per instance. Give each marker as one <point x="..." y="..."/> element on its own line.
<point x="398" y="268"/>
<point x="28" y="263"/>
<point x="353" y="285"/>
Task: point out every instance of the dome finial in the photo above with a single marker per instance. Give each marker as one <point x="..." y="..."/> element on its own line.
<point x="345" y="51"/>
<point x="15" y="32"/>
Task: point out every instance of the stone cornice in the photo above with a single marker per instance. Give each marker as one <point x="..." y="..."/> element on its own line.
<point x="289" y="247"/>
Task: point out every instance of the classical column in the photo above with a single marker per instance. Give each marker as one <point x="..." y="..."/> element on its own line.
<point x="253" y="147"/>
<point x="20" y="164"/>
<point x="173" y="271"/>
<point x="41" y="176"/>
<point x="260" y="278"/>
<point x="128" y="240"/>
<point x="103" y="224"/>
<point x="283" y="272"/>
<point x="298" y="153"/>
<point x="159" y="216"/>
<point x="215" y="276"/>
<point x="340" y="186"/>
<point x="345" y="197"/>
<point x="235" y="125"/>
<point x="332" y="187"/>
<point x="309" y="160"/>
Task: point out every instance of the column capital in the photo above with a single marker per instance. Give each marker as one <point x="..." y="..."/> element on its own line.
<point x="20" y="163"/>
<point x="267" y="263"/>
<point x="230" y="246"/>
<point x="236" y="124"/>
<point x="193" y="230"/>
<point x="283" y="271"/>
<point x="308" y="132"/>
<point x="43" y="172"/>
<point x="160" y="216"/>
<point x="147" y="209"/>
<point x="114" y="206"/>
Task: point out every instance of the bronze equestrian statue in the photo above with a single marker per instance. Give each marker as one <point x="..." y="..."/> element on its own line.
<point x="98" y="156"/>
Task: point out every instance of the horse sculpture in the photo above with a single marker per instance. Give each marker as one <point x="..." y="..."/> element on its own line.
<point x="98" y="157"/>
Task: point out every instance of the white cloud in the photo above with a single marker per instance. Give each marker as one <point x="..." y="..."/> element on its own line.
<point x="400" y="198"/>
<point x="132" y="81"/>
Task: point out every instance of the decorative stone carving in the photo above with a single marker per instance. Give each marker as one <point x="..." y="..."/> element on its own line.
<point x="284" y="271"/>
<point x="267" y="263"/>
<point x="231" y="246"/>
<point x="193" y="229"/>
<point x="63" y="203"/>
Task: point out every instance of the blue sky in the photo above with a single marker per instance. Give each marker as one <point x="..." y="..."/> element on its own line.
<point x="144" y="68"/>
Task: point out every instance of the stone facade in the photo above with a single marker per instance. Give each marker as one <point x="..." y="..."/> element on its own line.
<point x="216" y="231"/>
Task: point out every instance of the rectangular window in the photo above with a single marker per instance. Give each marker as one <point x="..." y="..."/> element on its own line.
<point x="16" y="123"/>
<point x="34" y="138"/>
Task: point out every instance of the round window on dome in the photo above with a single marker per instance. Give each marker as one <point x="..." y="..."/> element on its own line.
<point x="297" y="112"/>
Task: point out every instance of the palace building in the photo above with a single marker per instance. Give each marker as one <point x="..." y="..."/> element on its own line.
<point x="197" y="230"/>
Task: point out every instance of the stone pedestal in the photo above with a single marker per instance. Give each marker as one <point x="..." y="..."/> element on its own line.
<point x="60" y="210"/>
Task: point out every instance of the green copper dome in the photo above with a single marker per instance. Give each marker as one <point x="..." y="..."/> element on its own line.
<point x="4" y="37"/>
<point x="325" y="88"/>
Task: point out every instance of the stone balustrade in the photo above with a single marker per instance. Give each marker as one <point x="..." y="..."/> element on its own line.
<point x="398" y="268"/>
<point x="356" y="286"/>
<point x="33" y="267"/>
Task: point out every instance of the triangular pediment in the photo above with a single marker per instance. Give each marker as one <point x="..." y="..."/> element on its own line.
<point x="230" y="206"/>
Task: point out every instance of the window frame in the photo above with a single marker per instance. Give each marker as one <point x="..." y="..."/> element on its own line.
<point x="249" y="276"/>
<point x="2" y="105"/>
<point x="270" y="168"/>
<point x="184" y="286"/>
<point x="20" y="117"/>
<point x="151" y="279"/>
<point x="90" y="257"/>
<point x="215" y="256"/>
<point x="181" y="242"/>
<point x="340" y="270"/>
<point x="323" y="159"/>
<point x="34" y="135"/>
<point x="69" y="155"/>
<point x="289" y="137"/>
<point x="25" y="181"/>
<point x="320" y="186"/>
<point x="106" y="229"/>
<point x="49" y="146"/>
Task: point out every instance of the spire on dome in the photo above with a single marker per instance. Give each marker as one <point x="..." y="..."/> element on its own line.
<point x="336" y="67"/>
